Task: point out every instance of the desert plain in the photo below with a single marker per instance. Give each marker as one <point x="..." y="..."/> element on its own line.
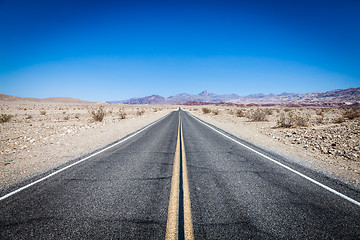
<point x="38" y="137"/>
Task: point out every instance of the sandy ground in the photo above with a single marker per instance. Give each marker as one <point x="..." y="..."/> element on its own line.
<point x="40" y="137"/>
<point x="323" y="138"/>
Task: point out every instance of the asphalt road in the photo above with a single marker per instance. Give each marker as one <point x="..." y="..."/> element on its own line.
<point x="236" y="194"/>
<point x="123" y="193"/>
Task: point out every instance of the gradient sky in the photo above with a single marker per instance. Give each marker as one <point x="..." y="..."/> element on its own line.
<point x="114" y="50"/>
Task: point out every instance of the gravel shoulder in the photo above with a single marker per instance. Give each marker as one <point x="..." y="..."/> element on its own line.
<point x="40" y="137"/>
<point x="332" y="148"/>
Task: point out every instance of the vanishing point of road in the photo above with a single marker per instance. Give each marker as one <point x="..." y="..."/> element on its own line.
<point x="180" y="178"/>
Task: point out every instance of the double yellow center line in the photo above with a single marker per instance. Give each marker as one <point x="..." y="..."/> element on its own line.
<point x="179" y="222"/>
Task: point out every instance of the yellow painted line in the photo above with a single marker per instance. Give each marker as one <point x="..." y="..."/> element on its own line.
<point x="188" y="226"/>
<point x="172" y="227"/>
<point x="173" y="210"/>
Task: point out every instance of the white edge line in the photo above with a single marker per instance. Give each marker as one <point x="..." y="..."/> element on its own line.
<point x="81" y="160"/>
<point x="284" y="166"/>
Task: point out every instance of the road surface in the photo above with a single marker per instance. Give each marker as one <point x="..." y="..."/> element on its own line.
<point x="236" y="190"/>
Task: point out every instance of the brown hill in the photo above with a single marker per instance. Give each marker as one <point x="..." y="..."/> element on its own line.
<point x="13" y="99"/>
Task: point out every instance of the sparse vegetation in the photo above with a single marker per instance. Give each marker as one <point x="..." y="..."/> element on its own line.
<point x="268" y="111"/>
<point x="215" y="112"/>
<point x="289" y="119"/>
<point x="99" y="114"/>
<point x="206" y="110"/>
<point x="320" y="119"/>
<point x="285" y="120"/>
<point x="302" y="120"/>
<point x="351" y="113"/>
<point x="320" y="112"/>
<point x="229" y="111"/>
<point x="42" y="112"/>
<point x="140" y="112"/>
<point x="258" y="115"/>
<point x="122" y="114"/>
<point x="339" y="119"/>
<point x="5" y="118"/>
<point x="240" y="113"/>
<point x="66" y="118"/>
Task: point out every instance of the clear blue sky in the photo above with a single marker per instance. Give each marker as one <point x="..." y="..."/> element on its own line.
<point x="112" y="50"/>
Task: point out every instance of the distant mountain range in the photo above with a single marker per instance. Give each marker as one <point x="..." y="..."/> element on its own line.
<point x="204" y="96"/>
<point x="338" y="97"/>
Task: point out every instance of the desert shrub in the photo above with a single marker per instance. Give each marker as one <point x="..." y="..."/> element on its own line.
<point x="319" y="112"/>
<point x="215" y="112"/>
<point x="339" y="119"/>
<point x="29" y="116"/>
<point x="320" y="119"/>
<point x="66" y="118"/>
<point x="229" y="111"/>
<point x="285" y="120"/>
<point x="43" y="112"/>
<point x="122" y="114"/>
<point x="289" y="119"/>
<point x="98" y="114"/>
<point x="206" y="110"/>
<point x="140" y="112"/>
<point x="257" y="115"/>
<point x="77" y="115"/>
<point x="268" y="111"/>
<point x="240" y="113"/>
<point x="302" y="120"/>
<point x="351" y="113"/>
<point x="5" y="118"/>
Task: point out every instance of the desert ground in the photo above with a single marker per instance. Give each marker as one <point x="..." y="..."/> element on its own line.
<point x="35" y="138"/>
<point x="325" y="139"/>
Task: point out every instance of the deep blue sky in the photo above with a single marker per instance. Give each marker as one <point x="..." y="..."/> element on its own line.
<point x="111" y="50"/>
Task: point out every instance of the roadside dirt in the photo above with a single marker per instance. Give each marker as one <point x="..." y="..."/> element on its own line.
<point x="321" y="138"/>
<point x="40" y="137"/>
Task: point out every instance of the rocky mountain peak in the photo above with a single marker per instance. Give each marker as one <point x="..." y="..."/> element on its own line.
<point x="204" y="93"/>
